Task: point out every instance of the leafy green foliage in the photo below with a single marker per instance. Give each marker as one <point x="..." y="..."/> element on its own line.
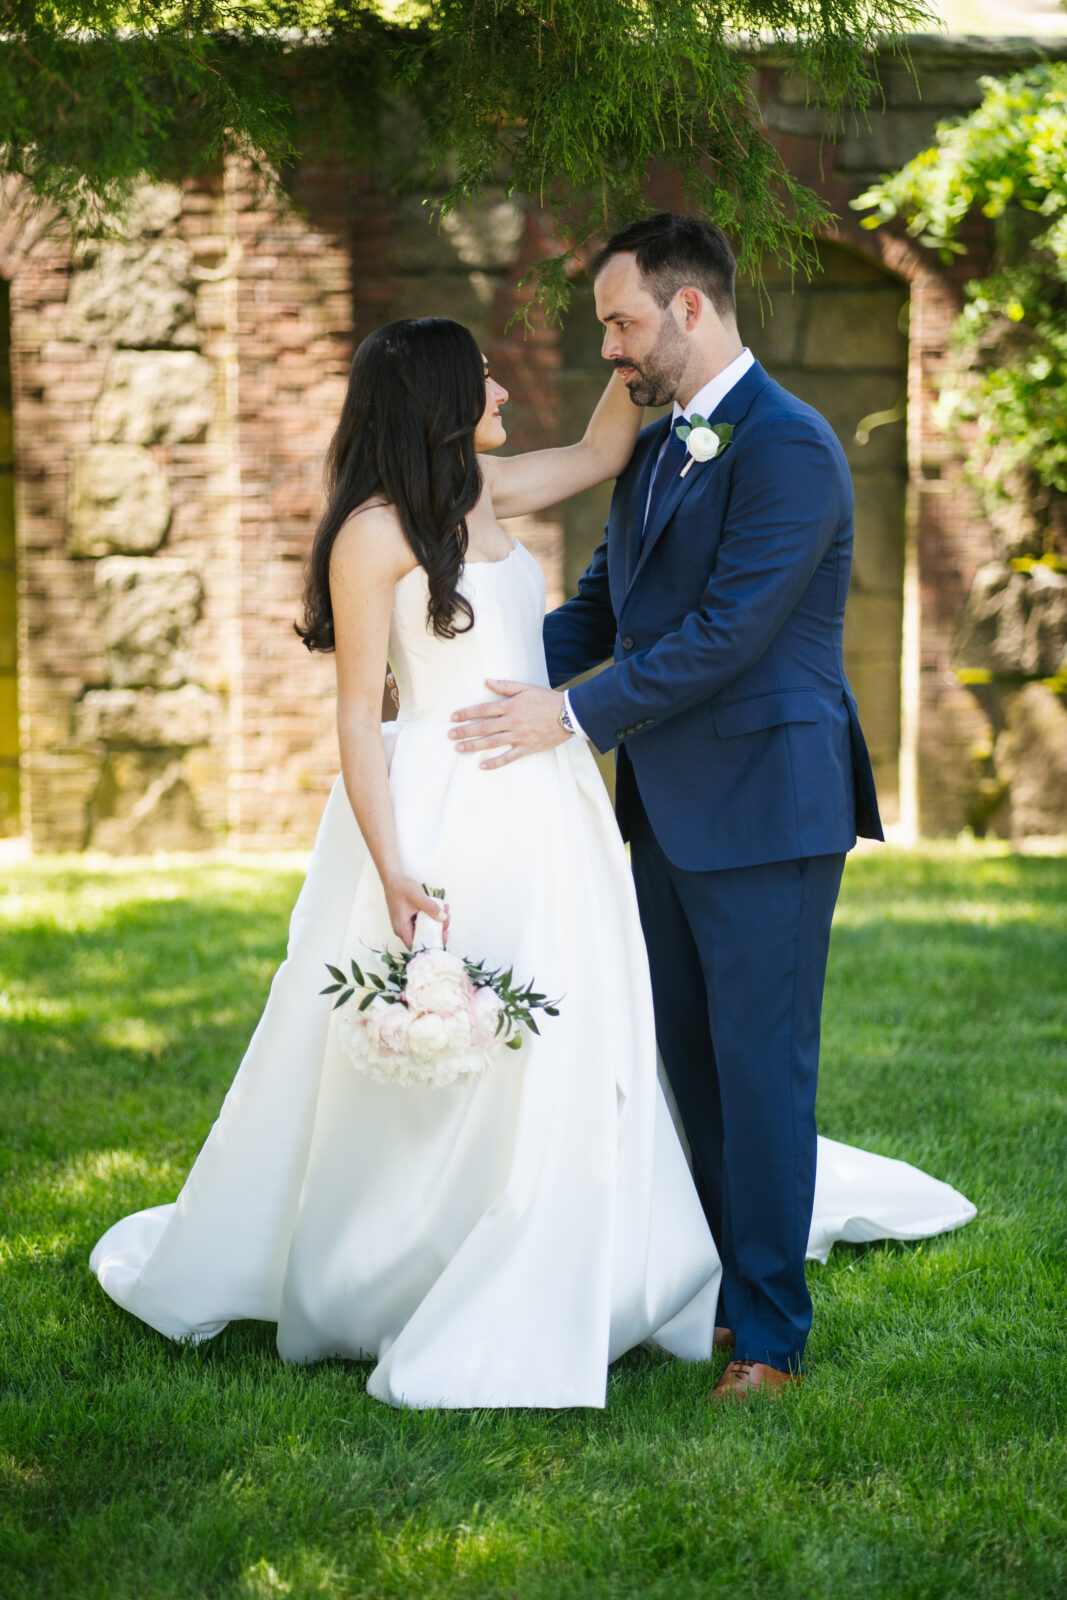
<point x="1008" y="158"/>
<point x="570" y="101"/>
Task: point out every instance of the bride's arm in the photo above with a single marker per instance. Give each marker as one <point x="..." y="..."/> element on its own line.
<point x="520" y="484"/>
<point x="369" y="557"/>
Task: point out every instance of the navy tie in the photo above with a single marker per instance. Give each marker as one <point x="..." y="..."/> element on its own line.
<point x="668" y="468"/>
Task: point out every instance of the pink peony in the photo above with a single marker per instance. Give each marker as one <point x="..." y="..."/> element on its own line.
<point x="485" y="1009"/>
<point x="438" y="982"/>
<point x="388" y="1028"/>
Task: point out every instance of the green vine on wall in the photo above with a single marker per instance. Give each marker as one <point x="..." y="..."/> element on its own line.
<point x="1008" y="400"/>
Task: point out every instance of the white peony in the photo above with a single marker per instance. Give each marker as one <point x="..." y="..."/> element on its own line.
<point x="432" y="1034"/>
<point x="485" y="1009"/>
<point x="388" y="1028"/>
<point x="438" y="982"/>
<point x="702" y="444"/>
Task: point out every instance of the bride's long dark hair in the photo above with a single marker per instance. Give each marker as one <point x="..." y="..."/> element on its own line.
<point x="406" y="433"/>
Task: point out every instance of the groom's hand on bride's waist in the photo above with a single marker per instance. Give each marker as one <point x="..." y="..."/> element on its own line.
<point x="525" y="719"/>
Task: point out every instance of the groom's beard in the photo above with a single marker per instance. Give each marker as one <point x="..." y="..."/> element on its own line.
<point x="659" y="372"/>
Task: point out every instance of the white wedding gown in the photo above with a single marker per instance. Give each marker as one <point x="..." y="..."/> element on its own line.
<point x="496" y="1243"/>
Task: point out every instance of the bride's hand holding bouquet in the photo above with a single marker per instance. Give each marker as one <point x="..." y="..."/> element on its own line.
<point x="426" y="1016"/>
<point x="406" y="900"/>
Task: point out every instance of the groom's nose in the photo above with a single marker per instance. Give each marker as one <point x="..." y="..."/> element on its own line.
<point x="611" y="349"/>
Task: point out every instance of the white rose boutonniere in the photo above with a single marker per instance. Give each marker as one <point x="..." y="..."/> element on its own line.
<point x="703" y="440"/>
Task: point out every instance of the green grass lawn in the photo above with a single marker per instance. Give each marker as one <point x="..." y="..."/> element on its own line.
<point x="925" y="1456"/>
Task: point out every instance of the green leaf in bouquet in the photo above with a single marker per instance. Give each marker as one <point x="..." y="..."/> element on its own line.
<point x="341" y="998"/>
<point x="551" y="1011"/>
<point x="368" y="999"/>
<point x="532" y="1025"/>
<point x="335" y="972"/>
<point x="514" y="1044"/>
<point x="357" y="974"/>
<point x="377" y="982"/>
<point x="331" y="988"/>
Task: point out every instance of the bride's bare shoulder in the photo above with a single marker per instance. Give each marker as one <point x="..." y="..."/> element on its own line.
<point x="372" y="539"/>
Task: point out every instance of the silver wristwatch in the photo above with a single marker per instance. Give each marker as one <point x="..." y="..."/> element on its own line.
<point x="565" y="720"/>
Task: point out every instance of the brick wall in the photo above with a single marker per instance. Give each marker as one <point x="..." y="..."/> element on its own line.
<point x="173" y="396"/>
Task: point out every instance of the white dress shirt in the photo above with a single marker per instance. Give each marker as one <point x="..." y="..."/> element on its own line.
<point x="703" y="404"/>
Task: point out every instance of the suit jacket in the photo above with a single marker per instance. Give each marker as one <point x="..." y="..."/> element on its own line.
<point x="727" y="701"/>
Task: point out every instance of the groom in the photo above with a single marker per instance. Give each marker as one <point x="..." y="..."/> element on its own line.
<point x="742" y="775"/>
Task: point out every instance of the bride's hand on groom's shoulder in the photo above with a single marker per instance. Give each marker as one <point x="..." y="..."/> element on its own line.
<point x="524" y="720"/>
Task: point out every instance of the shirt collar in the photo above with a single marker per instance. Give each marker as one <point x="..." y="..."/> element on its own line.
<point x="705" y="400"/>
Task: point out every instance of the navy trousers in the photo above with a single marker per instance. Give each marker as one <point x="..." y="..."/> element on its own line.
<point x="738" y="960"/>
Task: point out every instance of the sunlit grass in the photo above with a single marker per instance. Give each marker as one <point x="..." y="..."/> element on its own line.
<point x="925" y="1457"/>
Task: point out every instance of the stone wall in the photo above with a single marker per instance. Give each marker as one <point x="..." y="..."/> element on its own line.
<point x="174" y="391"/>
<point x="9" y="711"/>
<point x="173" y="394"/>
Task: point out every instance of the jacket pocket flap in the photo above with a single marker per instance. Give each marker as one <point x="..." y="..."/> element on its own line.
<point x="765" y="711"/>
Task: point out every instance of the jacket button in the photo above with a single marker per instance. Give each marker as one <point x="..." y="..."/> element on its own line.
<point x="627" y="642"/>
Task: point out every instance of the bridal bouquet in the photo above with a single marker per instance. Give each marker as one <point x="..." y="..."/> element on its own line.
<point x="428" y="1016"/>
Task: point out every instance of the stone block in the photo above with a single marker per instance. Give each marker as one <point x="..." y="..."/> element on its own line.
<point x="844" y="399"/>
<point x="153" y="207"/>
<point x="887" y="141"/>
<point x="1014" y="623"/>
<point x="146" y="719"/>
<point x="133" y="294"/>
<point x="8" y="619"/>
<point x="1032" y="752"/>
<point x="878" y="552"/>
<point x="148" y="607"/>
<point x="485" y="237"/>
<point x="856" y="330"/>
<point x="876" y="685"/>
<point x="446" y="294"/>
<point x="10" y="821"/>
<point x="941" y="91"/>
<point x="1047" y="623"/>
<point x="7" y="515"/>
<point x="9" y="716"/>
<point x="872" y="631"/>
<point x="771" y="332"/>
<point x="802" y="121"/>
<point x="119" y="501"/>
<point x="144" y="801"/>
<point x="1014" y="517"/>
<point x="155" y="397"/>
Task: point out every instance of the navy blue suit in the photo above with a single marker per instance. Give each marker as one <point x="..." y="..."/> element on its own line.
<point x="742" y="780"/>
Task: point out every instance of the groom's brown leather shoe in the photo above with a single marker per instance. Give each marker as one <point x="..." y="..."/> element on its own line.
<point x="745" y="1378"/>
<point x="722" y="1339"/>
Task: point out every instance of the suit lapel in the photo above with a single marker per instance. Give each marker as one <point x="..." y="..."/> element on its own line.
<point x="732" y="408"/>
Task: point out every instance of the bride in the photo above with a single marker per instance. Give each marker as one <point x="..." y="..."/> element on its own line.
<point x="497" y="1242"/>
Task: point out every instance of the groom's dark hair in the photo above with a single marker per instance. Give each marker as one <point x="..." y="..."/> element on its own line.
<point x="674" y="252"/>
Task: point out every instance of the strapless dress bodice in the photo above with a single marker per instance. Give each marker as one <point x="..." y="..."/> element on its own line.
<point x="437" y="676"/>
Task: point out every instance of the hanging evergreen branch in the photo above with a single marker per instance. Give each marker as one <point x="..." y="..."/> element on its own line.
<point x="569" y="101"/>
